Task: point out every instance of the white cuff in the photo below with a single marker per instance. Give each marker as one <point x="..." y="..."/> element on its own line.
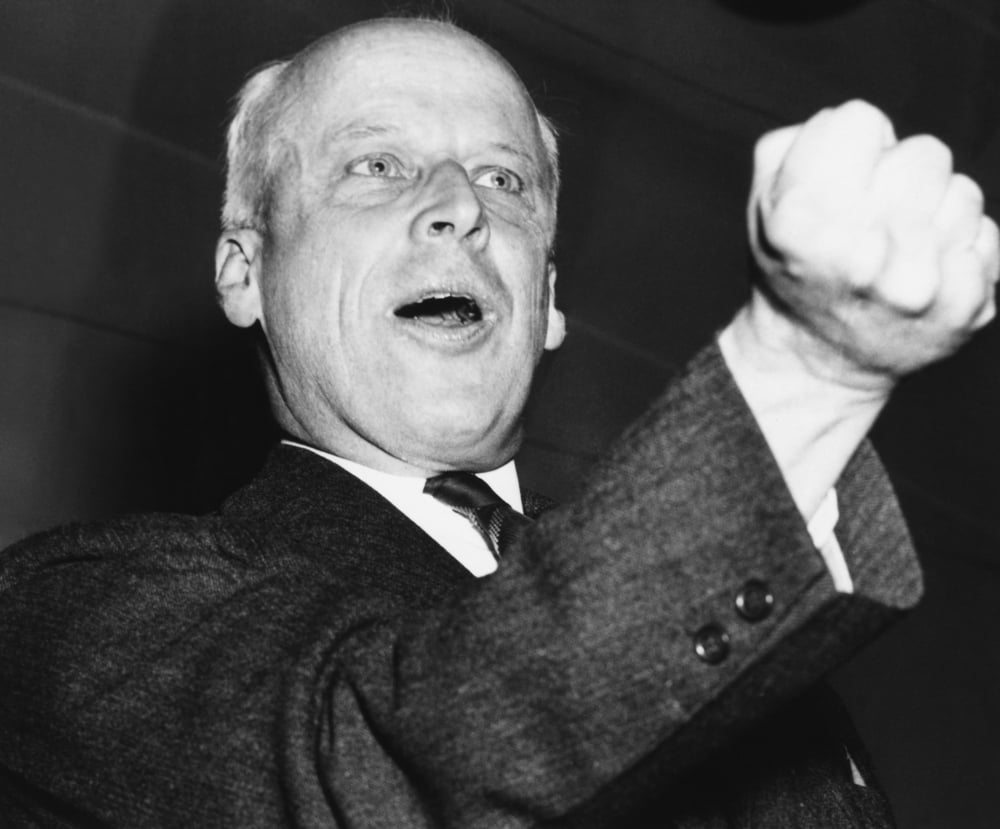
<point x="821" y="528"/>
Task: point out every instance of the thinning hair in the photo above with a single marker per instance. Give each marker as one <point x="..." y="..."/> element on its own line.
<point x="262" y="115"/>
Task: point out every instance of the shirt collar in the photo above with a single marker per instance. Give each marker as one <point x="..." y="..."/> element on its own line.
<point x="503" y="480"/>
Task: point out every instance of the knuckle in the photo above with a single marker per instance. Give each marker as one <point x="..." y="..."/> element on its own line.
<point x="931" y="150"/>
<point x="865" y="124"/>
<point x="987" y="248"/>
<point x="863" y="112"/>
<point x="989" y="233"/>
<point x="968" y="289"/>
<point x="969" y="191"/>
<point x="861" y="108"/>
<point x="912" y="276"/>
<point x="825" y="113"/>
<point x="912" y="294"/>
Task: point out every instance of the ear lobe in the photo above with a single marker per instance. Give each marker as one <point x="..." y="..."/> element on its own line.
<point x="237" y="270"/>
<point x="555" y="333"/>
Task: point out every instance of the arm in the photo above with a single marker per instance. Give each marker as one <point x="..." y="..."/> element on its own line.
<point x="587" y="682"/>
<point x="875" y="261"/>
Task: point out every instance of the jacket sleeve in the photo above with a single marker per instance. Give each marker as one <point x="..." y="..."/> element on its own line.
<point x="611" y="652"/>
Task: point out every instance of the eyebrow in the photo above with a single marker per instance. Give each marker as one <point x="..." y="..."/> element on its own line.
<point x="526" y="156"/>
<point x="360" y="129"/>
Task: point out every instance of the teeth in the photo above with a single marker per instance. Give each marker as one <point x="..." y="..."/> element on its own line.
<point x="443" y="310"/>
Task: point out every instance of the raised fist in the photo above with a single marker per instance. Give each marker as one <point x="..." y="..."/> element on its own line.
<point x="875" y="249"/>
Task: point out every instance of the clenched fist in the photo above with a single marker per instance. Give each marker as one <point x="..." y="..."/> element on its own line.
<point x="874" y="249"/>
<point x="876" y="259"/>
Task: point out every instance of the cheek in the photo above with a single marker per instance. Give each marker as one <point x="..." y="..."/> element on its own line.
<point x="533" y="288"/>
<point x="523" y="256"/>
<point x="300" y="311"/>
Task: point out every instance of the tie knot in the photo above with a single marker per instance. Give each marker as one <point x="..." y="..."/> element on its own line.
<point x="497" y="522"/>
<point x="462" y="489"/>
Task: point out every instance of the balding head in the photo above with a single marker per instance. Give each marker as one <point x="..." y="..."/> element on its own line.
<point x="271" y="106"/>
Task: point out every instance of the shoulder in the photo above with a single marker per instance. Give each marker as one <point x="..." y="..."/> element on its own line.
<point x="248" y="530"/>
<point x="153" y="543"/>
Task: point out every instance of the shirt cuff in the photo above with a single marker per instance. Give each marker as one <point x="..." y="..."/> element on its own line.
<point x="821" y="529"/>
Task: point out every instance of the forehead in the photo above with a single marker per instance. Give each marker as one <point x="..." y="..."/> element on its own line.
<point x="419" y="76"/>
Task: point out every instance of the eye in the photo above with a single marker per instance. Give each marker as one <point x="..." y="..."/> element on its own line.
<point x="377" y="166"/>
<point x="500" y="179"/>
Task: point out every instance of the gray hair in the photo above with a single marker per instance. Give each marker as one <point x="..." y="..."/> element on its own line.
<point x="253" y="139"/>
<point x="252" y="142"/>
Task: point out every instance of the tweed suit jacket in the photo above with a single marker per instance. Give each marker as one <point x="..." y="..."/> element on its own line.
<point x="308" y="657"/>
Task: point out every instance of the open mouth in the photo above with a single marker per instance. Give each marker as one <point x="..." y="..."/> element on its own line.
<point x="442" y="309"/>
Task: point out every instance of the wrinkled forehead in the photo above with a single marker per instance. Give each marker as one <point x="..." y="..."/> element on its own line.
<point x="394" y="63"/>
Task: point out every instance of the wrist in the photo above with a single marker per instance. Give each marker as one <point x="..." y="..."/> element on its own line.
<point x="768" y="343"/>
<point x="811" y="420"/>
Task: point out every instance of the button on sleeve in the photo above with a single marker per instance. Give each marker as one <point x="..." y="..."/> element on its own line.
<point x="755" y="601"/>
<point x="711" y="644"/>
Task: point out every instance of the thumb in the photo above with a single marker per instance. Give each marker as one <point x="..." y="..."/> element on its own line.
<point x="770" y="153"/>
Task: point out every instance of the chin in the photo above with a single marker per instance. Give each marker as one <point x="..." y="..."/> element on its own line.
<point x="449" y="445"/>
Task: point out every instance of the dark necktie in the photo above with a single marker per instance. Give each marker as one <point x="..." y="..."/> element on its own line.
<point x="497" y="522"/>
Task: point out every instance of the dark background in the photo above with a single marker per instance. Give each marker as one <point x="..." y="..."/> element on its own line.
<point x="121" y="388"/>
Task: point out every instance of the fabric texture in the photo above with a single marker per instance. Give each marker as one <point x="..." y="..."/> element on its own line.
<point x="308" y="657"/>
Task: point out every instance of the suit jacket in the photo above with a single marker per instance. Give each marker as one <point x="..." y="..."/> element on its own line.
<point x="308" y="657"/>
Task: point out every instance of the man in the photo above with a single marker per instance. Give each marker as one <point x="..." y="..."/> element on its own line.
<point x="320" y="652"/>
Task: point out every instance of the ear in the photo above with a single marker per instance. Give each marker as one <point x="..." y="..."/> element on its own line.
<point x="237" y="276"/>
<point x="555" y="333"/>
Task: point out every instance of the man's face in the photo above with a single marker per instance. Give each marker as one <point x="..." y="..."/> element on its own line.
<point x="405" y="288"/>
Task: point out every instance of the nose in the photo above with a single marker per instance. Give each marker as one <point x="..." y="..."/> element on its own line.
<point x="450" y="208"/>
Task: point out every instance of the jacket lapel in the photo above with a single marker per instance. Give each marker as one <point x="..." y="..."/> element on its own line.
<point x="307" y="504"/>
